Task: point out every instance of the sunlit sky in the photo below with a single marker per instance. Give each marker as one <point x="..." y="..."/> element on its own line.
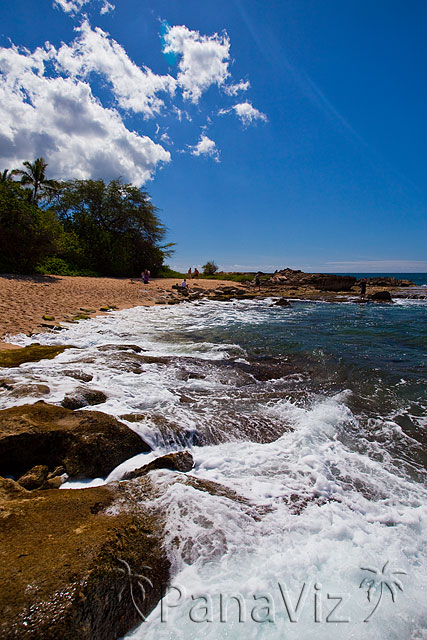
<point x="268" y="134"/>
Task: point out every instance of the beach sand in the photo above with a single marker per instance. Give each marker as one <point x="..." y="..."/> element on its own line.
<point x="24" y="300"/>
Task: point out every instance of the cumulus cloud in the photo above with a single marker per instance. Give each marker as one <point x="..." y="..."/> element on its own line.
<point x="205" y="147"/>
<point x="60" y="118"/>
<point x="246" y="112"/>
<point x="233" y="89"/>
<point x="135" y="89"/>
<point x="75" y="6"/>
<point x="203" y="61"/>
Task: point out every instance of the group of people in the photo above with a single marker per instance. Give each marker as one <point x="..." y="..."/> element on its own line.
<point x="193" y="274"/>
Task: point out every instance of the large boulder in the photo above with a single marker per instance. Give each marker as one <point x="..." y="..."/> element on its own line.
<point x="88" y="444"/>
<point x="381" y="296"/>
<point x="83" y="397"/>
<point x="330" y="282"/>
<point x="72" y="562"/>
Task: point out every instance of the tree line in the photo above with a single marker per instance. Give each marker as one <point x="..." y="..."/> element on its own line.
<point x="77" y="227"/>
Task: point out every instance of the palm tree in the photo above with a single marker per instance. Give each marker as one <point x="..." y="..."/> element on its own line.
<point x="36" y="177"/>
<point x="7" y="176"/>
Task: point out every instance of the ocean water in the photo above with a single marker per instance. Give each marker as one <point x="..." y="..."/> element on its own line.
<point x="315" y="416"/>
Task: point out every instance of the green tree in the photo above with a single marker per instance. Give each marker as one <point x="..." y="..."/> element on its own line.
<point x="35" y="177"/>
<point x="210" y="268"/>
<point x="118" y="230"/>
<point x="28" y="234"/>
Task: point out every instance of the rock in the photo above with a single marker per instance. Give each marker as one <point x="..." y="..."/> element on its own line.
<point x="33" y="353"/>
<point x="180" y="461"/>
<point x="83" y="397"/>
<point x="54" y="483"/>
<point x="34" y="478"/>
<point x="382" y="296"/>
<point x="121" y="347"/>
<point x="330" y="282"/>
<point x="88" y="444"/>
<point x="23" y="390"/>
<point x="382" y="281"/>
<point x="10" y="490"/>
<point x="78" y="375"/>
<point x="282" y="302"/>
<point x="72" y="561"/>
<point x="6" y="383"/>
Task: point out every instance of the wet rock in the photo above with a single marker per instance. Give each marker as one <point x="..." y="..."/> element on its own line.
<point x="78" y="375"/>
<point x="133" y="417"/>
<point x="382" y="296"/>
<point x="72" y="561"/>
<point x="6" y="383"/>
<point x="83" y="397"/>
<point x="24" y="390"/>
<point x="121" y="347"/>
<point x="179" y="461"/>
<point x="34" y="478"/>
<point x="282" y="302"/>
<point x="33" y="353"/>
<point x="88" y="444"/>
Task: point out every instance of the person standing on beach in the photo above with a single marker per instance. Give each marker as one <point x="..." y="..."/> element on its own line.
<point x="145" y="276"/>
<point x="190" y="275"/>
<point x="196" y="272"/>
<point x="363" y="284"/>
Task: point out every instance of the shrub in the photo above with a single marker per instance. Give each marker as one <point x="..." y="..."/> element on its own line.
<point x="210" y="268"/>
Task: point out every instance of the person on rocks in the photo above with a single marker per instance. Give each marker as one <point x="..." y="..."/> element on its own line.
<point x="258" y="282"/>
<point x="363" y="284"/>
<point x="145" y="276"/>
<point x="184" y="284"/>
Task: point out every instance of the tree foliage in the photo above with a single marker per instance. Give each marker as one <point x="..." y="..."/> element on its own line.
<point x="112" y="229"/>
<point x="35" y="177"/>
<point x="77" y="227"/>
<point x="27" y="233"/>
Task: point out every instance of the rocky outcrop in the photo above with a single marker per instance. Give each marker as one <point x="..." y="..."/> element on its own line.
<point x="87" y="444"/>
<point x="319" y="281"/>
<point x="33" y="353"/>
<point x="388" y="282"/>
<point x="179" y="461"/>
<point x="72" y="562"/>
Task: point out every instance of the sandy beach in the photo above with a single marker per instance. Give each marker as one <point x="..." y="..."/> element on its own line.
<point x="24" y="300"/>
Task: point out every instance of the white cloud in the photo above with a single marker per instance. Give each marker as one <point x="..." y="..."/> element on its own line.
<point x="134" y="88"/>
<point x="233" y="89"/>
<point x="75" y="6"/>
<point x="107" y="7"/>
<point x="60" y="119"/>
<point x="203" y="62"/>
<point x="246" y="112"/>
<point x="205" y="147"/>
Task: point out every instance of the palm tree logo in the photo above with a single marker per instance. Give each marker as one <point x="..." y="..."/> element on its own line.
<point x="132" y="577"/>
<point x="382" y="579"/>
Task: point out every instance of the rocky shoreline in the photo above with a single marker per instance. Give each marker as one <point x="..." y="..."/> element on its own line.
<point x="73" y="560"/>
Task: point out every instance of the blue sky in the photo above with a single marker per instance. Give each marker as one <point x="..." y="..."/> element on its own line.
<point x="269" y="134"/>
